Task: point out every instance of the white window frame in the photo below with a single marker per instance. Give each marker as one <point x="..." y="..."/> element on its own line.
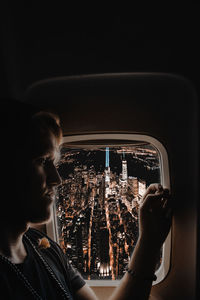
<point x="52" y="229"/>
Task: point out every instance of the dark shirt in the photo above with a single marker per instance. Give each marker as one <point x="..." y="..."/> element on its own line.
<point x="13" y="287"/>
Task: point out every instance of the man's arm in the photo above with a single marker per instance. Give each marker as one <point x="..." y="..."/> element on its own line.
<point x="85" y="293"/>
<point x="138" y="285"/>
<point x="154" y="226"/>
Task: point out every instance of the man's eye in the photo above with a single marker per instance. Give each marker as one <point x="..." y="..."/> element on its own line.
<point x="45" y="161"/>
<point x="42" y="161"/>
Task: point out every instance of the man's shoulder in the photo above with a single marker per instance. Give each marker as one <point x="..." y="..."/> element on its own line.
<point x="35" y="233"/>
<point x="39" y="238"/>
<point x="49" y="249"/>
<point x="44" y="243"/>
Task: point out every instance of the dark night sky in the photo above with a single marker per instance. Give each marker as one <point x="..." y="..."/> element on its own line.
<point x="136" y="167"/>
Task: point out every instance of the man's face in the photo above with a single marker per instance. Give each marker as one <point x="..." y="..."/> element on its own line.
<point x="43" y="178"/>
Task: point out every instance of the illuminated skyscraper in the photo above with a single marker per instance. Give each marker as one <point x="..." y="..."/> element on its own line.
<point x="124" y="169"/>
<point x="141" y="188"/>
<point x="107" y="174"/>
<point x="107" y="157"/>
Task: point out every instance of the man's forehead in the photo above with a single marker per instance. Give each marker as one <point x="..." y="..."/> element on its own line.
<point x="45" y="144"/>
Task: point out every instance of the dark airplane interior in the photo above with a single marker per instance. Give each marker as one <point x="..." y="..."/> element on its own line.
<point x="106" y="73"/>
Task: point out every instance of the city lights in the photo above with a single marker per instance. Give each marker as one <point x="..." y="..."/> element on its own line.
<point x="97" y="205"/>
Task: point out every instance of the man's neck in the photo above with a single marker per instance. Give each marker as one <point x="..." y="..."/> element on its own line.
<point x="11" y="243"/>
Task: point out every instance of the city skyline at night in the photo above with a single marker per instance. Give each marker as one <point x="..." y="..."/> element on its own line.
<point x="97" y="205"/>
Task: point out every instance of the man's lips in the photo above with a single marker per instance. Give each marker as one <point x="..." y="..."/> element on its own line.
<point x="50" y="195"/>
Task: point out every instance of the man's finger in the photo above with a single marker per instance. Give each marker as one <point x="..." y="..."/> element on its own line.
<point x="152" y="200"/>
<point x="152" y="189"/>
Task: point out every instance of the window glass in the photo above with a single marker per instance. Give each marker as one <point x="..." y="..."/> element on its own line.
<point x="97" y="204"/>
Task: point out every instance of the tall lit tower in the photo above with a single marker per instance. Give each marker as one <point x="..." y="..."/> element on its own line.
<point x="107" y="157"/>
<point x="107" y="174"/>
<point x="124" y="169"/>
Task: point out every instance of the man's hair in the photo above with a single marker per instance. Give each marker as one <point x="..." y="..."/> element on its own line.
<point x="18" y="123"/>
<point x="45" y="121"/>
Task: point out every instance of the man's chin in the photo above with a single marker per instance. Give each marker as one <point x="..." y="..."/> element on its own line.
<point x="42" y="218"/>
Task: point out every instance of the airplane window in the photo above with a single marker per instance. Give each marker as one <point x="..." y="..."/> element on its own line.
<point x="97" y="204"/>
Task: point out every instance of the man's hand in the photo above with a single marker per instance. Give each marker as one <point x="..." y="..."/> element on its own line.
<point x="155" y="215"/>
